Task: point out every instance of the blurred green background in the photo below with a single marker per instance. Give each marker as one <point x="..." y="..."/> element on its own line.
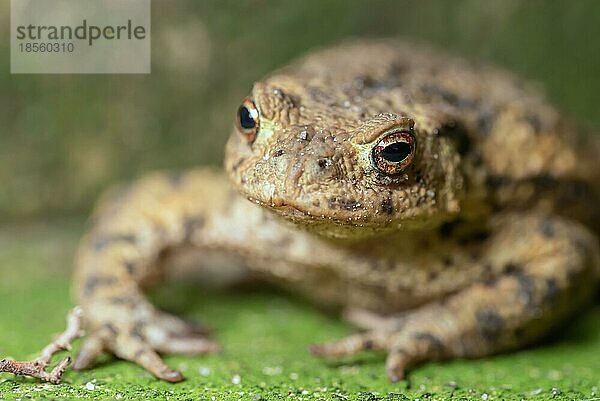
<point x="65" y="138"/>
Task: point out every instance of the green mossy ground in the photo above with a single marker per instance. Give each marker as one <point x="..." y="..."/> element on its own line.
<point x="264" y="334"/>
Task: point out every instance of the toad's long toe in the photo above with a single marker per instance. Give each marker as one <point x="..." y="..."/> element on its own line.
<point x="372" y="340"/>
<point x="137" y="350"/>
<point x="91" y="349"/>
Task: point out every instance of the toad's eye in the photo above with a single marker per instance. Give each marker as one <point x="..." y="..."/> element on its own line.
<point x="247" y="120"/>
<point x="394" y="152"/>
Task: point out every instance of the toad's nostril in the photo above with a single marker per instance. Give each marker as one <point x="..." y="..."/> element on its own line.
<point x="319" y="169"/>
<point x="324" y="163"/>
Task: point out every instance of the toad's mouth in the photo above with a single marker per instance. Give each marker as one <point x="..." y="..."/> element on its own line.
<point x="335" y="209"/>
<point x="348" y="212"/>
<point x="340" y="222"/>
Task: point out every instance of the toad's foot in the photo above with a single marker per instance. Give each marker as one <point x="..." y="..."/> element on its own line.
<point x="407" y="341"/>
<point x="546" y="268"/>
<point x="138" y="333"/>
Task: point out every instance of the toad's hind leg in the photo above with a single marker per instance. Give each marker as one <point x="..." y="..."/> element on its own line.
<point x="545" y="268"/>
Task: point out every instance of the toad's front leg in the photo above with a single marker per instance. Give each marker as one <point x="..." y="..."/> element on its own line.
<point x="131" y="230"/>
<point x="547" y="267"/>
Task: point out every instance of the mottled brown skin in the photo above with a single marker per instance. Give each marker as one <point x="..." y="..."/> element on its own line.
<point x="475" y="248"/>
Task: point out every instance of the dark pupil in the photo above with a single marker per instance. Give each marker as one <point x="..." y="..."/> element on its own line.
<point x="396" y="152"/>
<point x="246" y="120"/>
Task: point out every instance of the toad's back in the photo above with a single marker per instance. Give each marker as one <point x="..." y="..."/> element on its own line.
<point x="516" y="150"/>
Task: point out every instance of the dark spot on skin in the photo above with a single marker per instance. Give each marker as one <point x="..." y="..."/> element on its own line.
<point x="237" y="163"/>
<point x="475" y="256"/>
<point x="399" y="351"/>
<point x="546" y="227"/>
<point x="552" y="290"/>
<point x="476" y="158"/>
<point x="520" y="332"/>
<point x="285" y="97"/>
<point x="387" y="206"/>
<point x="450" y="97"/>
<point x="479" y="236"/>
<point x="123" y="301"/>
<point x="534" y="121"/>
<point x="569" y="193"/>
<point x="321" y="96"/>
<point x="545" y="182"/>
<point x="490" y="281"/>
<point x="433" y="275"/>
<point x="423" y="336"/>
<point x="447" y="261"/>
<point x="459" y="135"/>
<point x="574" y="191"/>
<point x="364" y="82"/>
<point x="389" y="102"/>
<point x="367" y="83"/>
<point x="102" y="241"/>
<point x="448" y="228"/>
<point x="130" y="267"/>
<point x="93" y="282"/>
<point x="485" y="122"/>
<point x="572" y="195"/>
<point x="445" y="230"/>
<point x="367" y="345"/>
<point x="573" y="277"/>
<point x="526" y="283"/>
<point x="111" y="328"/>
<point x="278" y="153"/>
<point x="581" y="245"/>
<point x="490" y="324"/>
<point x="435" y="345"/>
<point x="443" y="301"/>
<point x="192" y="224"/>
<point x="397" y="69"/>
<point x="283" y="242"/>
<point x="137" y="330"/>
<point x="496" y="181"/>
<point x="462" y="232"/>
<point x="176" y="179"/>
<point x="344" y="203"/>
<point x="422" y="200"/>
<point x="474" y="237"/>
<point x="513" y="268"/>
<point x="138" y="354"/>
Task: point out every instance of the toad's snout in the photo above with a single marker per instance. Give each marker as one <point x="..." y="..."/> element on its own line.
<point x="311" y="157"/>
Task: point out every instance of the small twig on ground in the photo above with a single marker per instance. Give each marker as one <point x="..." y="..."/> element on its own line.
<point x="36" y="368"/>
